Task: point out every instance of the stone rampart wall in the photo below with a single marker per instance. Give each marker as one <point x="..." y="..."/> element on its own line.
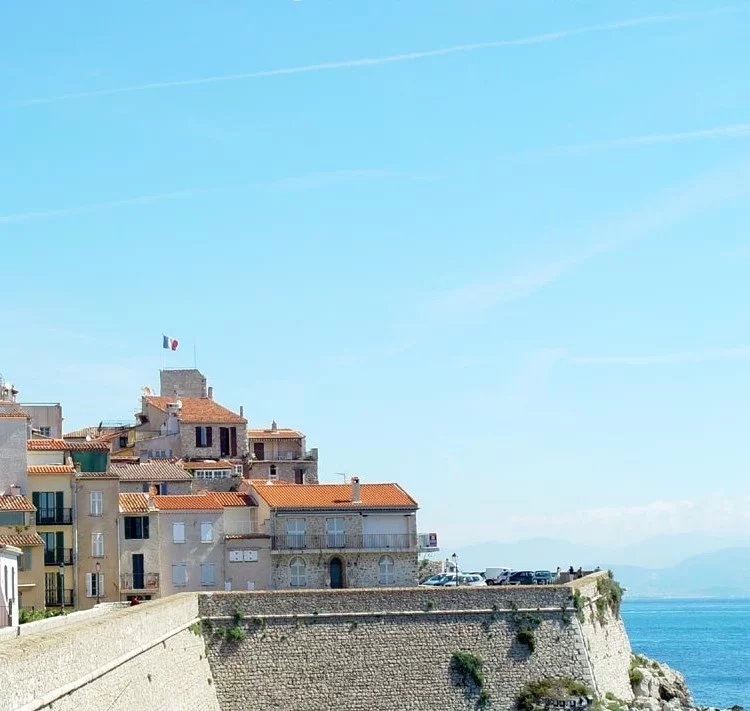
<point x="135" y="657"/>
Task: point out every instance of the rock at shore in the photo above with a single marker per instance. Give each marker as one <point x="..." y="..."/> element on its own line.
<point x="658" y="687"/>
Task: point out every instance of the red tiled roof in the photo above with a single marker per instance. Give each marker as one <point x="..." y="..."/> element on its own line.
<point x="16" y="413"/>
<point x="95" y="432"/>
<point x="21" y="539"/>
<point x="133" y="503"/>
<point x="50" y="469"/>
<point x="16" y="503"/>
<point x="221" y="464"/>
<point x="197" y="410"/>
<point x="316" y="496"/>
<point x="95" y="445"/>
<point x="201" y="502"/>
<point x="45" y="445"/>
<point x="279" y="433"/>
<point x="153" y="470"/>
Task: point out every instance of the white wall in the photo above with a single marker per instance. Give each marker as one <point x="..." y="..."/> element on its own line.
<point x="9" y="586"/>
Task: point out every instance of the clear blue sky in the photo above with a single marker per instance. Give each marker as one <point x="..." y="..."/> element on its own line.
<point x="512" y="275"/>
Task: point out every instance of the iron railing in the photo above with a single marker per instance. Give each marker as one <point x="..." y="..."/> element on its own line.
<point x="139" y="581"/>
<point x="58" y="555"/>
<point x="47" y="517"/>
<point x="366" y="541"/>
<point x="53" y="598"/>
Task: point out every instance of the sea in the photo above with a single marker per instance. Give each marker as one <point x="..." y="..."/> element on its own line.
<point x="708" y="640"/>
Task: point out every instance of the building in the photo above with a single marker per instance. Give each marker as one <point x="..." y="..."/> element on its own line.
<point x="221" y="475"/>
<point x="137" y="476"/>
<point x="190" y="428"/>
<point x="203" y="541"/>
<point x="9" y="585"/>
<point x="18" y="529"/>
<point x="279" y="453"/>
<point x="96" y="516"/>
<point x="338" y="535"/>
<point x="15" y="427"/>
<point x="46" y="418"/>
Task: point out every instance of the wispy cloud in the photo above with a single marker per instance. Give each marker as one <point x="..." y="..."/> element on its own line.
<point x="739" y="130"/>
<point x="313" y="180"/>
<point x="701" y="356"/>
<point x="389" y="59"/>
<point x="706" y="192"/>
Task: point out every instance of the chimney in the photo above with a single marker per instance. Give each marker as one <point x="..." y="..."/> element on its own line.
<point x="15" y="490"/>
<point x="242" y="411"/>
<point x="356" y="496"/>
<point x="210" y="392"/>
<point x="152" y="490"/>
<point x="274" y="426"/>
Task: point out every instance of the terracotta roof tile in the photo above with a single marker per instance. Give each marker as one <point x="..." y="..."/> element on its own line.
<point x="21" y="539"/>
<point x="316" y="496"/>
<point x="96" y="475"/>
<point x="197" y="410"/>
<point x="17" y="414"/>
<point x="133" y="503"/>
<point x="16" y="503"/>
<point x="50" y="469"/>
<point x="95" y="432"/>
<point x="279" y="433"/>
<point x="153" y="470"/>
<point x="56" y="445"/>
<point x="94" y="445"/>
<point x="201" y="502"/>
<point x="221" y="464"/>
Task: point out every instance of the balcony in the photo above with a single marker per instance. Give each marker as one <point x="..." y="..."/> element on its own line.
<point x="139" y="582"/>
<point x="333" y="541"/>
<point x="54" y="517"/>
<point x="58" y="598"/>
<point x="58" y="555"/>
<point x="239" y="528"/>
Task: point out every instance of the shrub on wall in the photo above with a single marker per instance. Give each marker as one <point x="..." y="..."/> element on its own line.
<point x="610" y="597"/>
<point x="468" y="667"/>
<point x="554" y="688"/>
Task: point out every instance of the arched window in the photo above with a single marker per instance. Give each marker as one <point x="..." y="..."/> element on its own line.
<point x="297" y="572"/>
<point x="386" y="571"/>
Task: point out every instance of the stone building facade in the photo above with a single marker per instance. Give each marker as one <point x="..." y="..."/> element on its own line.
<point x="338" y="535"/>
<point x="279" y="453"/>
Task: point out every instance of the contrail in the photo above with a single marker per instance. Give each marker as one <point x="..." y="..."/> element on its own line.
<point x="390" y="59"/>
<point x="738" y="130"/>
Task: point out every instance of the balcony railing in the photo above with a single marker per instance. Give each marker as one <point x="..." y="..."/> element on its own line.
<point x="367" y="541"/>
<point x="58" y="555"/>
<point x="139" y="581"/>
<point x="53" y="598"/>
<point x="47" y="517"/>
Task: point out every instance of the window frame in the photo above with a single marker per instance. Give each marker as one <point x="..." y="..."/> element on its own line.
<point x="130" y="529"/>
<point x="204" y="539"/>
<point x="97" y="544"/>
<point x="174" y="535"/>
<point x="96" y="496"/>
<point x="175" y="567"/>
<point x="386" y="570"/>
<point x="298" y="579"/>
<point x="204" y="567"/>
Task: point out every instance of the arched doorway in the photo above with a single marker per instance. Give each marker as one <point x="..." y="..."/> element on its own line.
<point x="336" y="571"/>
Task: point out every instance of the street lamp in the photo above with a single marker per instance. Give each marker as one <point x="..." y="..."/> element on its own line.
<point x="455" y="567"/>
<point x="98" y="578"/>
<point x="61" y="585"/>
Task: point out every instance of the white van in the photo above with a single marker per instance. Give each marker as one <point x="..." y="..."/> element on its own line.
<point x="497" y="575"/>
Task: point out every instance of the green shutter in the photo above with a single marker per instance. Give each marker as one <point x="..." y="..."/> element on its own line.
<point x="145" y="526"/>
<point x="59" y="506"/>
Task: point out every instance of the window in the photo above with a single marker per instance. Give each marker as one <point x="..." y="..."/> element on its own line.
<point x="178" y="532"/>
<point x="123" y="441"/>
<point x="273" y="473"/>
<point x="237" y="470"/>
<point x="179" y="574"/>
<point x="94" y="585"/>
<point x="136" y="526"/>
<point x="25" y="560"/>
<point x="97" y="545"/>
<point x="295" y="533"/>
<point x="44" y="431"/>
<point x="207" y="532"/>
<point x="335" y="532"/>
<point x="297" y="572"/>
<point x="11" y="518"/>
<point x="207" y="574"/>
<point x="95" y="503"/>
<point x="386" y="571"/>
<point x="299" y="476"/>
<point x="203" y="436"/>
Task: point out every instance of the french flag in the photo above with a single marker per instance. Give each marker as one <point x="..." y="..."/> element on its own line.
<point x="170" y="343"/>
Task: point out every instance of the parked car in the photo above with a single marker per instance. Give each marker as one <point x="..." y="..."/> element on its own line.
<point x="472" y="579"/>
<point x="435" y="580"/>
<point x="543" y="577"/>
<point x="521" y="577"/>
<point x="497" y="575"/>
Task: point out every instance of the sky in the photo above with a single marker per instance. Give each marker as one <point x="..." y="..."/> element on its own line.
<point x="497" y="252"/>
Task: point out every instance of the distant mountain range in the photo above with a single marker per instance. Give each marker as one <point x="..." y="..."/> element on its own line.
<point x="664" y="566"/>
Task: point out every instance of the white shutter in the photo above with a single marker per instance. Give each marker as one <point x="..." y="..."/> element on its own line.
<point x="89" y="591"/>
<point x="178" y="532"/>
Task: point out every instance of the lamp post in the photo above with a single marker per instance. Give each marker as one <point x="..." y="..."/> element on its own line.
<point x="61" y="586"/>
<point x="455" y="567"/>
<point x="98" y="578"/>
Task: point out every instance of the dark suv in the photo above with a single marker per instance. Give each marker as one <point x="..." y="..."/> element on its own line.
<point x="521" y="577"/>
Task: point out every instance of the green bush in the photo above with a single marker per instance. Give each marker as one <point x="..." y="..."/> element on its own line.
<point x="236" y="633"/>
<point x="558" y="688"/>
<point x="610" y="596"/>
<point x="578" y="605"/>
<point x="526" y="638"/>
<point x="468" y="666"/>
<point x="34" y="615"/>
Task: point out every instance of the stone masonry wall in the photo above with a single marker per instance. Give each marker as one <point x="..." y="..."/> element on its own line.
<point x="129" y="658"/>
<point x="376" y="649"/>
